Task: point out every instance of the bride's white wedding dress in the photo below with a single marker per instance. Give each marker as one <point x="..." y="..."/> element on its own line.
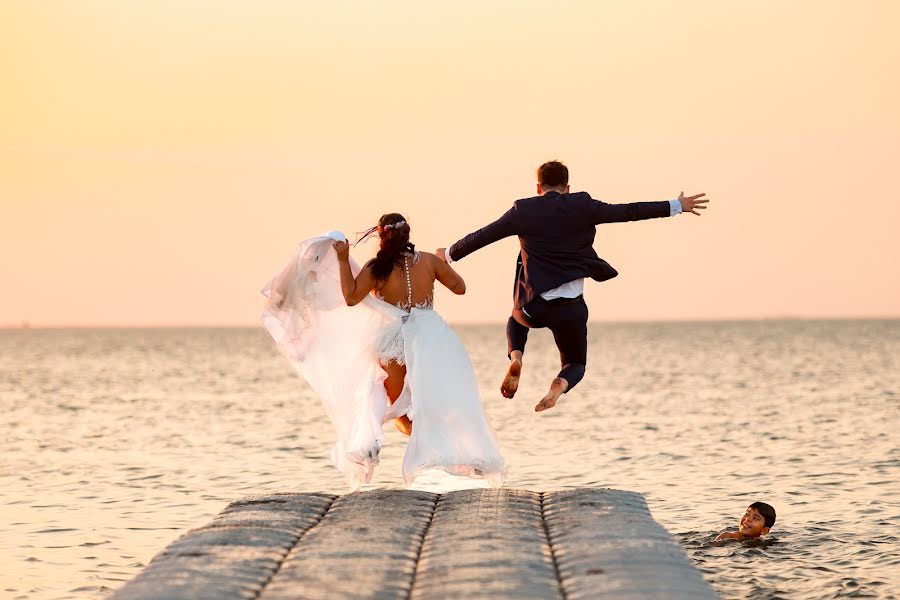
<point x="336" y="349"/>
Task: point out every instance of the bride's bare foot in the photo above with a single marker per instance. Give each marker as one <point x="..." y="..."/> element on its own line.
<point x="557" y="388"/>
<point x="511" y="381"/>
<point x="403" y="424"/>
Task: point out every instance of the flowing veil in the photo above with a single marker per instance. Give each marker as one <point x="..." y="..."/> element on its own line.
<point x="334" y="347"/>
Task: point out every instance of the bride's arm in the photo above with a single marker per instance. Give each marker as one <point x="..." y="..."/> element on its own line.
<point x="450" y="279"/>
<point x="353" y="288"/>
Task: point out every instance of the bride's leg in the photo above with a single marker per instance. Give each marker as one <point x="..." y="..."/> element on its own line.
<point x="393" y="385"/>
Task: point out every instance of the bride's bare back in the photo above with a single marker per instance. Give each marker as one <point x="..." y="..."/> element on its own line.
<point x="423" y="268"/>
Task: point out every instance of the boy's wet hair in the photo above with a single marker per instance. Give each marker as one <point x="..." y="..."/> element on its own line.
<point x="767" y="512"/>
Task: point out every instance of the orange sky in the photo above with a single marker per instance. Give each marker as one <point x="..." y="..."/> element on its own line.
<point x="159" y="160"/>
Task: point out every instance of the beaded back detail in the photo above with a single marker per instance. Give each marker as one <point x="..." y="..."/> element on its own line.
<point x="408" y="305"/>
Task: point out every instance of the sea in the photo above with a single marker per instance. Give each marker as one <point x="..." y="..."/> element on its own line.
<point x="114" y="442"/>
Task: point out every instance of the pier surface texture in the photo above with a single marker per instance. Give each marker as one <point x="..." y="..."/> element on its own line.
<point x="386" y="544"/>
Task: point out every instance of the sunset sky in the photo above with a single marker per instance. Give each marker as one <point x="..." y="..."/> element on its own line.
<point x="159" y="160"/>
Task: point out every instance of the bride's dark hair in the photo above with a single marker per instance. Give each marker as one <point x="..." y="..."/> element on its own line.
<point x="393" y="230"/>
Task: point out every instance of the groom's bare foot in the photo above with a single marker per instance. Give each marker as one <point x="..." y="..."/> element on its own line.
<point x="557" y="388"/>
<point x="511" y="382"/>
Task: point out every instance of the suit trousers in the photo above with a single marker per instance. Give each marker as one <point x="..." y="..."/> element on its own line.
<point x="566" y="318"/>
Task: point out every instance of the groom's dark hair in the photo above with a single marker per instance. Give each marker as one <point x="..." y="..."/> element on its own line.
<point x="553" y="174"/>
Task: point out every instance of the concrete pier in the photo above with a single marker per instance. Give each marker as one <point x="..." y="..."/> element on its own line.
<point x="399" y="544"/>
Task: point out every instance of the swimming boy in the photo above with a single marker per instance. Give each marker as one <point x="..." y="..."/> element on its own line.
<point x="756" y="522"/>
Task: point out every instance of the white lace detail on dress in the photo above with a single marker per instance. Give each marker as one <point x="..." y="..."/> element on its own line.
<point x="392" y="349"/>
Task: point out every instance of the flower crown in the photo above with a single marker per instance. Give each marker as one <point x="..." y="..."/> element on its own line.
<point x="396" y="225"/>
<point x="364" y="235"/>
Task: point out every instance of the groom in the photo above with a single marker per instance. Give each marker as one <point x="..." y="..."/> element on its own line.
<point x="556" y="231"/>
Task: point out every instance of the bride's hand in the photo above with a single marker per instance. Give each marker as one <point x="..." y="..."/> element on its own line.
<point x="342" y="249"/>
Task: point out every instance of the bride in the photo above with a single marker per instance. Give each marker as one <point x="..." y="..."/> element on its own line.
<point x="369" y="343"/>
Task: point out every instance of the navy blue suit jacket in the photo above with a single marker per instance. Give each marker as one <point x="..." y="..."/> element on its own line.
<point x="556" y="232"/>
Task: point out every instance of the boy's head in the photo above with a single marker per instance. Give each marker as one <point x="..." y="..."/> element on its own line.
<point x="757" y="520"/>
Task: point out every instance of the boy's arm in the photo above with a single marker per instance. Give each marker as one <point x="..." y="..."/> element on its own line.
<point x="725" y="535"/>
<point x="499" y="229"/>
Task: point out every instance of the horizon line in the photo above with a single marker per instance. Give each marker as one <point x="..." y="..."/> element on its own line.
<point x="27" y="325"/>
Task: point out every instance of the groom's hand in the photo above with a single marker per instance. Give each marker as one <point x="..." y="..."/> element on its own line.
<point x="441" y="254"/>
<point x="692" y="204"/>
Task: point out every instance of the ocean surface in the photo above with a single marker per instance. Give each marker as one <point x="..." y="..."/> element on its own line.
<point x="114" y="442"/>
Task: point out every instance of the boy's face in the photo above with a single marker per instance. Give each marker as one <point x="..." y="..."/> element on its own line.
<point x="753" y="524"/>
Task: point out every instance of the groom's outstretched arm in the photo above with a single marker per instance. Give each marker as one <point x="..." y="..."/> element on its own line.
<point x="601" y="212"/>
<point x="499" y="229"/>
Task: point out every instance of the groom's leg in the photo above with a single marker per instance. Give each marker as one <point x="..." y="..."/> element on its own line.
<point x="516" y="338"/>
<point x="570" y="334"/>
<point x="568" y="322"/>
